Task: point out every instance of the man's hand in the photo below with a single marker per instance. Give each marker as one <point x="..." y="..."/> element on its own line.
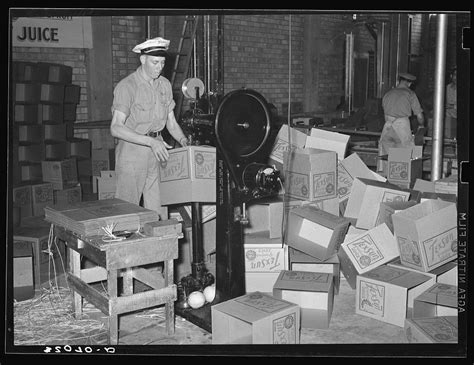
<point x="160" y="149"/>
<point x="183" y="142"/>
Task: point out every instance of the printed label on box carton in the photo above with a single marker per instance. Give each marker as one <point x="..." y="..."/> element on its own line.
<point x="440" y="247"/>
<point x="389" y="196"/>
<point x="22" y="196"/>
<point x="74" y="195"/>
<point x="205" y="165"/>
<point x="438" y="328"/>
<point x="448" y="290"/>
<point x="263" y="259"/>
<point x="324" y="184"/>
<point x="372" y="298"/>
<point x="398" y="170"/>
<point x="409" y="251"/>
<point x="279" y="148"/>
<point x="385" y="273"/>
<point x="365" y="251"/>
<point x="284" y="329"/>
<point x="306" y="276"/>
<point x="43" y="193"/>
<point x="262" y="302"/>
<point x="98" y="166"/>
<point x="298" y="184"/>
<point x="344" y="182"/>
<point x="176" y="168"/>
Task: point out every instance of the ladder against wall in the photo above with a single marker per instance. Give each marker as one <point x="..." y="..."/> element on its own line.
<point x="182" y="61"/>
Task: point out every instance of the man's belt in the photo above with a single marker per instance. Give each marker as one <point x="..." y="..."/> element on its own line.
<point x="153" y="134"/>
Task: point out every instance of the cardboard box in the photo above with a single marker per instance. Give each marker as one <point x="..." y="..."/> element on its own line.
<point x="68" y="196"/>
<point x="51" y="113"/>
<point x="365" y="198"/>
<point x="265" y="215"/>
<point x="312" y="291"/>
<point x="255" y="318"/>
<point x="432" y="330"/>
<point x="444" y="274"/>
<point x="405" y="165"/>
<point x="84" y="166"/>
<point x="61" y="173"/>
<point x="311" y="174"/>
<point x="353" y="233"/>
<point x="188" y="176"/>
<point x="31" y="153"/>
<point x="286" y="136"/>
<point x="72" y="94"/>
<point x="437" y="301"/>
<point x="28" y="93"/>
<point x="52" y="93"/>
<point x="387" y="293"/>
<point x="101" y="138"/>
<point x="424" y="186"/>
<point x="23" y="280"/>
<point x="264" y="259"/>
<point x="55" y="132"/>
<point x="106" y="185"/>
<point x="55" y="73"/>
<point x="446" y="197"/>
<point x="22" y="199"/>
<point x="315" y="232"/>
<point x="102" y="159"/>
<point x="55" y="150"/>
<point x="25" y="113"/>
<point x="366" y="252"/>
<point x="447" y="185"/>
<point x="350" y="168"/>
<point x="327" y="140"/>
<point x="79" y="147"/>
<point x="427" y="234"/>
<point x="69" y="112"/>
<point x="24" y="71"/>
<point x="30" y="133"/>
<point x="31" y="171"/>
<point x="299" y="261"/>
<point x="388" y="208"/>
<point x="41" y="196"/>
<point x="328" y="205"/>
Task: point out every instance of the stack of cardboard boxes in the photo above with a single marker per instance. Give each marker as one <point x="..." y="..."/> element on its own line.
<point x="338" y="219"/>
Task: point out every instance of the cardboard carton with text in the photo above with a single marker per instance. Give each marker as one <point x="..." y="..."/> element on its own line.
<point x="438" y="300"/>
<point x="405" y="165"/>
<point x="432" y="330"/>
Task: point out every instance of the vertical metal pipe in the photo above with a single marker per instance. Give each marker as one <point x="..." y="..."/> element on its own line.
<point x="438" y="99"/>
<point x="148" y="27"/>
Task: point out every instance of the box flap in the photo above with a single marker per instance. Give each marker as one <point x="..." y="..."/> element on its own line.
<point x="397" y="276"/>
<point x="304" y="281"/>
<point x="261" y="238"/>
<point x="327" y="140"/>
<point x="319" y="216"/>
<point x="299" y="256"/>
<point x="442" y="294"/>
<point x="424" y="186"/>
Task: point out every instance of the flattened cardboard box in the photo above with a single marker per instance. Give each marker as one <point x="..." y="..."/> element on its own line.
<point x="405" y="165"/>
<point x="350" y="168"/>
<point x="315" y="232"/>
<point x="365" y="198"/>
<point x="312" y="291"/>
<point x="189" y="175"/>
<point x="437" y="301"/>
<point x="388" y="208"/>
<point x="432" y="330"/>
<point x="444" y="274"/>
<point x="387" y="294"/>
<point x="255" y="318"/>
<point x="311" y="174"/>
<point x="327" y="140"/>
<point x="367" y="251"/>
<point x="264" y="259"/>
<point x="299" y="261"/>
<point x="427" y="234"/>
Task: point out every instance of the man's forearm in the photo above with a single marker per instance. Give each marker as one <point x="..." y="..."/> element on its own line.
<point x="125" y="133"/>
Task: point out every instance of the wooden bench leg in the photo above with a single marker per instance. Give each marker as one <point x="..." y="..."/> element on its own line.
<point x="113" y="316"/>
<point x="75" y="269"/>
<point x="169" y="306"/>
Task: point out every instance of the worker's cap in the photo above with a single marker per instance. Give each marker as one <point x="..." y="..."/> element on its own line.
<point x="153" y="47"/>
<point x="407" y="76"/>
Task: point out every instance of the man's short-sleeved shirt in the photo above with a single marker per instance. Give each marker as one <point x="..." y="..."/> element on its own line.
<point x="399" y="102"/>
<point x="145" y="105"/>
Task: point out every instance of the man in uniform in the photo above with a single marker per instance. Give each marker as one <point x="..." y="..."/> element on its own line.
<point x="142" y="107"/>
<point x="398" y="105"/>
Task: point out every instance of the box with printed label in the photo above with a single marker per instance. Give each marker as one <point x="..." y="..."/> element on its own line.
<point x="68" y="196"/>
<point x="264" y="259"/>
<point x="315" y="232"/>
<point x="388" y="208"/>
<point x="188" y="176"/>
<point x="427" y="234"/>
<point x="22" y="199"/>
<point x="311" y="174"/>
<point x="61" y="173"/>
<point x="405" y="165"/>
<point x="282" y="144"/>
<point x="299" y="261"/>
<point x="25" y="113"/>
<point x="51" y="113"/>
<point x="327" y="140"/>
<point x="350" y="168"/>
<point x="102" y="159"/>
<point x="367" y="251"/>
<point x="106" y="185"/>
<point x="432" y="329"/>
<point x="265" y="215"/>
<point x="255" y="318"/>
<point x="387" y="293"/>
<point x="41" y="196"/>
<point x="312" y="291"/>
<point x="444" y="274"/>
<point x="55" y="150"/>
<point x="79" y="147"/>
<point x="365" y="198"/>
<point x="438" y="300"/>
